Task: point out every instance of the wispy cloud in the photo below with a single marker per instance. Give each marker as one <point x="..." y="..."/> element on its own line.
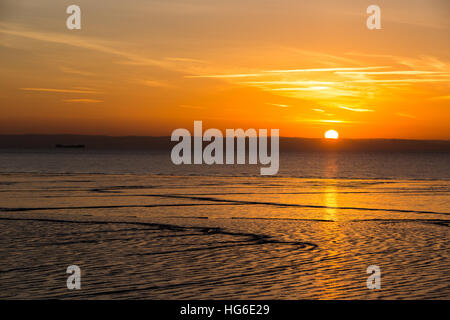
<point x="324" y="58"/>
<point x="325" y="69"/>
<point x="108" y="47"/>
<point x="294" y="82"/>
<point x="408" y="72"/>
<point x="335" y="121"/>
<point x="83" y="100"/>
<point x="156" y="83"/>
<point x="76" y="71"/>
<point x="355" y="109"/>
<point x="326" y="121"/>
<point x="266" y="72"/>
<point x="241" y="75"/>
<point x="181" y="59"/>
<point x="279" y="105"/>
<point x="405" y="115"/>
<point x="62" y="90"/>
<point x="318" y="110"/>
<point x="315" y="88"/>
<point x="187" y="106"/>
<point x="398" y="80"/>
<point x="80" y="42"/>
<point x="428" y="62"/>
<point x="441" y="98"/>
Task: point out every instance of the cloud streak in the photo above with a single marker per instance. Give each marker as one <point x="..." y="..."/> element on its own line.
<point x="268" y="72"/>
<point x="61" y="90"/>
<point x="327" y="121"/>
<point x="326" y="69"/>
<point x="83" y="100"/>
<point x="299" y="83"/>
<point x="97" y="45"/>
<point x="405" y="115"/>
<point x="355" y="109"/>
<point x="408" y="72"/>
<point x="81" y="42"/>
<point x="397" y="80"/>
<point x="315" y="88"/>
<point x="279" y="105"/>
<point x="75" y="71"/>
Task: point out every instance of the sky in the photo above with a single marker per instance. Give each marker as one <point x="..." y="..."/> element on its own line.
<point x="147" y="67"/>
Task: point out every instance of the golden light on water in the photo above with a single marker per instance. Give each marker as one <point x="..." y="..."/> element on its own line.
<point x="331" y="134"/>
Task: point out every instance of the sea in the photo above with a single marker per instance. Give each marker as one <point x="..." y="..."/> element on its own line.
<point x="140" y="227"/>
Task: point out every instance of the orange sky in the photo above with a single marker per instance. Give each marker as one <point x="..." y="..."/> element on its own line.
<point x="149" y="67"/>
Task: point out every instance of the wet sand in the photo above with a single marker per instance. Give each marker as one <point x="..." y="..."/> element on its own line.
<point x="193" y="237"/>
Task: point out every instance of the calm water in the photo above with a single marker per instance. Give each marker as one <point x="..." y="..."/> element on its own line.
<point x="296" y="164"/>
<point x="140" y="227"/>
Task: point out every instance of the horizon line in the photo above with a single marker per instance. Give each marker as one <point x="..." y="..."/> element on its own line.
<point x="168" y="136"/>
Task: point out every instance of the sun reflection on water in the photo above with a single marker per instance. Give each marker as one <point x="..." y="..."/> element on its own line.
<point x="330" y="193"/>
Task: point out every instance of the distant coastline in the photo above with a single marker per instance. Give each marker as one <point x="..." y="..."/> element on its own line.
<point x="70" y="146"/>
<point x="42" y="141"/>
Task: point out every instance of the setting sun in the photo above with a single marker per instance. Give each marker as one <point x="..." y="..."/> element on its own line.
<point x="331" y="134"/>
